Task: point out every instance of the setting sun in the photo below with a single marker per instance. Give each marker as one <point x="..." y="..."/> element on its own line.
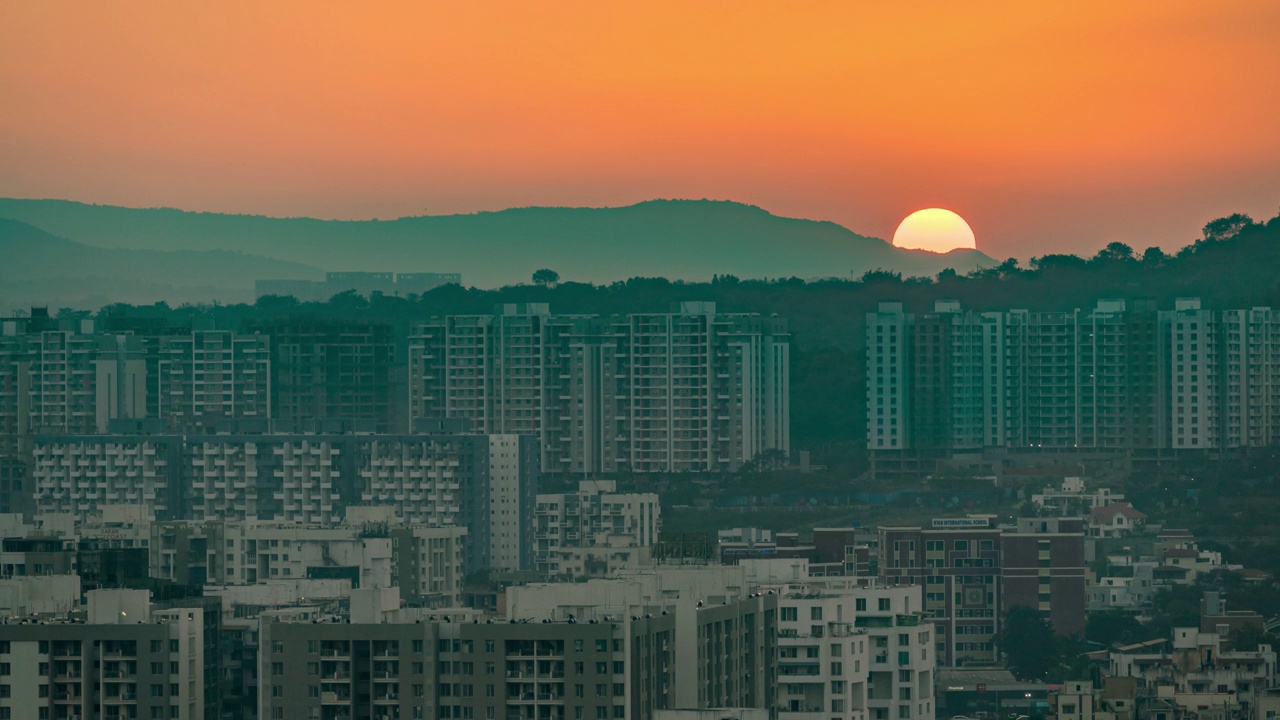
<point x="935" y="230"/>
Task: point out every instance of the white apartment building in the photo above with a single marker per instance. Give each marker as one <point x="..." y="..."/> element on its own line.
<point x="858" y="653"/>
<point x="1192" y="360"/>
<point x="1073" y="499"/>
<point x="80" y="475"/>
<point x="1251" y="401"/>
<point x="434" y="480"/>
<point x="513" y="481"/>
<point x="888" y="378"/>
<point x="596" y="516"/>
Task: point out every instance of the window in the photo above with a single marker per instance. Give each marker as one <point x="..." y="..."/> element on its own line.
<point x="860" y="605"/>
<point x="883" y="604"/>
<point x="789" y="614"/>
<point x="815" y="613"/>
<point x="313" y="691"/>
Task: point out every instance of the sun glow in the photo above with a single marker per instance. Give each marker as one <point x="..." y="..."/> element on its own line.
<point x="935" y="230"/>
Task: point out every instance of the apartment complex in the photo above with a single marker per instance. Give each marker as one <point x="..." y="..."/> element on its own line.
<point x="431" y="479"/>
<point x="974" y="572"/>
<point x="1118" y="377"/>
<point x="689" y="390"/>
<point x="567" y="527"/>
<point x="588" y="668"/>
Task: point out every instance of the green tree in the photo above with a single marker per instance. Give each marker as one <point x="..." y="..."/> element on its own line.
<point x="546" y="277"/>
<point x="1114" y="252"/>
<point x="1113" y="626"/>
<point x="1227" y="227"/>
<point x="1030" y="648"/>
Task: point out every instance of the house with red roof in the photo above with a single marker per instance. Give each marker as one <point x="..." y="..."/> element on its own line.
<point x="1115" y="520"/>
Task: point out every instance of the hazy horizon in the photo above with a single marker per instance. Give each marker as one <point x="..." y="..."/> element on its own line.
<point x="1048" y="128"/>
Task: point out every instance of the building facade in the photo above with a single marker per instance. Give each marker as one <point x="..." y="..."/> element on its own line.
<point x="689" y="390"/>
<point x="1118" y="377"/>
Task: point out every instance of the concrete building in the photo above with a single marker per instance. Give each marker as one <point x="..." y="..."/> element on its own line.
<point x="426" y="563"/>
<point x="209" y="376"/>
<point x="435" y="479"/>
<point x="1195" y="672"/>
<point x="514" y="473"/>
<point x="124" y="660"/>
<point x="331" y="370"/>
<point x="564" y="668"/>
<point x="689" y="390"/>
<point x="973" y="573"/>
<point x="863" y="653"/>
<point x="82" y="474"/>
<point x="566" y="525"/>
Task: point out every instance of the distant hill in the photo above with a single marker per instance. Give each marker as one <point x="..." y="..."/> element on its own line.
<point x="39" y="268"/>
<point x="678" y="239"/>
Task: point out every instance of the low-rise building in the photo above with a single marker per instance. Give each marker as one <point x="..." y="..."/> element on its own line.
<point x="1118" y="519"/>
<point x="596" y="516"/>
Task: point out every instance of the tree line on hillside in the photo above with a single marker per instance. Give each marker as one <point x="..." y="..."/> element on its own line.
<point x="1236" y="263"/>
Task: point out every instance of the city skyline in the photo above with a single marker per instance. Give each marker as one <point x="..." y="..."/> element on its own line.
<point x="1050" y="129"/>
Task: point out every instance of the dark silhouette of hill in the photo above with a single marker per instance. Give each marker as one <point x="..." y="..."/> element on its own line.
<point x="40" y="268"/>
<point x="679" y="239"/>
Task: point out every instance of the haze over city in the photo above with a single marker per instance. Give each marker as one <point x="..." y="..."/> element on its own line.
<point x="640" y="360"/>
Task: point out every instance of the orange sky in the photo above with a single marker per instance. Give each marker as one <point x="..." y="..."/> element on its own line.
<point x="1048" y="126"/>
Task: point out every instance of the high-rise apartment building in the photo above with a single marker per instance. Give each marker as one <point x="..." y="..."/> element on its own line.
<point x="332" y="370"/>
<point x="1118" y="377"/>
<point x="209" y="376"/>
<point x="688" y="390"/>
